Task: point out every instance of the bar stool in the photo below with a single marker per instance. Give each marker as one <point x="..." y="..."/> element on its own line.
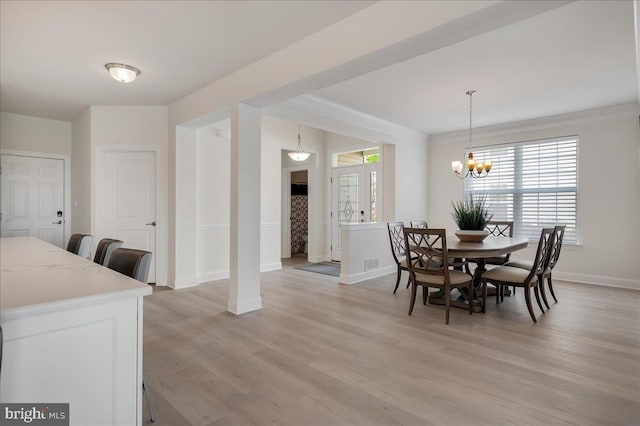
<point x="135" y="264"/>
<point x="80" y="244"/>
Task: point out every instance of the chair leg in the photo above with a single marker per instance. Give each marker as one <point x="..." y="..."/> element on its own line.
<point x="484" y="296"/>
<point x="537" y="293"/>
<point x="551" y="288"/>
<point x="447" y="303"/>
<point x="146" y="394"/>
<point x="409" y="281"/>
<point x="413" y="298"/>
<point x="470" y="290"/>
<point x="542" y="292"/>
<point x="502" y="290"/>
<point x="527" y="296"/>
<point x="398" y="279"/>
<point x="498" y="289"/>
<point x="425" y="292"/>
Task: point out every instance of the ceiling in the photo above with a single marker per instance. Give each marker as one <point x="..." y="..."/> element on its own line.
<point x="52" y="55"/>
<point x="576" y="57"/>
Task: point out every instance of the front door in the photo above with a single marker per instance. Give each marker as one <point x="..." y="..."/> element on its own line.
<point x="355" y="197"/>
<point x="32" y="198"/>
<point x="130" y="200"/>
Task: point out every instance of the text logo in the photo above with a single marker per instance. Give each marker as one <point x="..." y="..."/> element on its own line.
<point x="34" y="414"/>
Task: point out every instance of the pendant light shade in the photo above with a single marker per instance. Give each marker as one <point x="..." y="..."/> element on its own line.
<point x="299" y="154"/>
<point x="122" y="72"/>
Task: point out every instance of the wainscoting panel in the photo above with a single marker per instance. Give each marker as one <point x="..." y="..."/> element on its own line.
<point x="213" y="250"/>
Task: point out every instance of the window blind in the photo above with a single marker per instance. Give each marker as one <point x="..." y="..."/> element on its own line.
<point x="534" y="184"/>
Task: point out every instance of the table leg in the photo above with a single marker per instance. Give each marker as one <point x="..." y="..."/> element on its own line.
<point x="462" y="301"/>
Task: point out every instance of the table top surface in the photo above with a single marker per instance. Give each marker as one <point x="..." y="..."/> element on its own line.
<point x="35" y="273"/>
<point x="490" y="247"/>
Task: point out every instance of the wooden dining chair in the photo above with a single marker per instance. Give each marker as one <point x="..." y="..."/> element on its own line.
<point x="419" y="224"/>
<point x="396" y="238"/>
<point x="519" y="277"/>
<point x="554" y="255"/>
<point x="429" y="265"/>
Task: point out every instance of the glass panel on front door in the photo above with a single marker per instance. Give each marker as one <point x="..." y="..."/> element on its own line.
<point x="348" y="198"/>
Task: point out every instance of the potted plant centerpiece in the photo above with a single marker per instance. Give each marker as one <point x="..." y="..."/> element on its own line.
<point x="471" y="216"/>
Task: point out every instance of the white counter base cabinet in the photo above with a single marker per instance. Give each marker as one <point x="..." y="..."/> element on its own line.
<point x="85" y="356"/>
<point x="72" y="334"/>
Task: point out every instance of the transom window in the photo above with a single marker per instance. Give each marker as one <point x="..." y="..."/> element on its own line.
<point x="534" y="184"/>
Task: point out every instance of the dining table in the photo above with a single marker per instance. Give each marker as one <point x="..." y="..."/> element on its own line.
<point x="478" y="252"/>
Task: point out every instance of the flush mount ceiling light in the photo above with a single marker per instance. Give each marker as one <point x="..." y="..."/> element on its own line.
<point x="299" y="154"/>
<point x="122" y="72"/>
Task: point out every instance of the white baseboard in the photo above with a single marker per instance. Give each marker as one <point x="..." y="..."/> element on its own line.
<point x="597" y="280"/>
<point x="213" y="276"/>
<point x="319" y="258"/>
<point x="244" y="306"/>
<point x="270" y="266"/>
<point x="224" y="274"/>
<point x="363" y="276"/>
<point x="183" y="283"/>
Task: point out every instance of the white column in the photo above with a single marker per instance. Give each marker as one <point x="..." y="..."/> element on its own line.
<point x="183" y="273"/>
<point x="244" y="257"/>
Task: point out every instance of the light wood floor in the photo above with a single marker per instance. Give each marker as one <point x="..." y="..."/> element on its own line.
<point x="320" y="353"/>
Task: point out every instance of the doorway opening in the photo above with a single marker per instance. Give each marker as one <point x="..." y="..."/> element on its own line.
<point x="299" y="214"/>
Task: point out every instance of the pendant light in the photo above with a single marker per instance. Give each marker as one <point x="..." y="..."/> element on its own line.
<point x="475" y="169"/>
<point x="299" y="154"/>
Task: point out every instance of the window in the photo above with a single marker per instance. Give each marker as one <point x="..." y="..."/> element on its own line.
<point x="534" y="184"/>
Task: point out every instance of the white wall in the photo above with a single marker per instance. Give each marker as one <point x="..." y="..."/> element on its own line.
<point x="278" y="135"/>
<point x="20" y="133"/>
<point x="112" y="126"/>
<point x="81" y="174"/>
<point x="608" y="182"/>
<point x="412" y="180"/>
<point x="212" y="196"/>
<point x="25" y="133"/>
<point x="212" y="204"/>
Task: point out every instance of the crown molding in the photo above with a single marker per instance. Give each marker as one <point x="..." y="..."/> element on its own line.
<point x="569" y="119"/>
<point x="371" y="128"/>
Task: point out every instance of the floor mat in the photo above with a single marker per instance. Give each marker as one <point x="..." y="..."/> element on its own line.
<point x="326" y="268"/>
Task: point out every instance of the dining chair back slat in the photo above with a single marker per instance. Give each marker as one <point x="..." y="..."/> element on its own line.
<point x="519" y="277"/>
<point x="419" y="224"/>
<point x="428" y="264"/>
<point x="396" y="238"/>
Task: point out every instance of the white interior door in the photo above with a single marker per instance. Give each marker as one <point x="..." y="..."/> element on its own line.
<point x="355" y="197"/>
<point x="32" y="198"/>
<point x="130" y="200"/>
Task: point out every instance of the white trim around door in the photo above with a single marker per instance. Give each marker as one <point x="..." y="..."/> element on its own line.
<point x="67" y="180"/>
<point x="100" y="214"/>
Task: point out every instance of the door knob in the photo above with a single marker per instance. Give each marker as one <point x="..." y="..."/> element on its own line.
<point x="58" y="222"/>
<point x="152" y="223"/>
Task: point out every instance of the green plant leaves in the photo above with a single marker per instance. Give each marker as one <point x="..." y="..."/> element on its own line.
<point x="471" y="213"/>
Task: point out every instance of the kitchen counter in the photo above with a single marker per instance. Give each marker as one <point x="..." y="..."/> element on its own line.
<point x="72" y="333"/>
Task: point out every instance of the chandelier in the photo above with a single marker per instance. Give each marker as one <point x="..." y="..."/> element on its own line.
<point x="299" y="154"/>
<point x="475" y="169"/>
